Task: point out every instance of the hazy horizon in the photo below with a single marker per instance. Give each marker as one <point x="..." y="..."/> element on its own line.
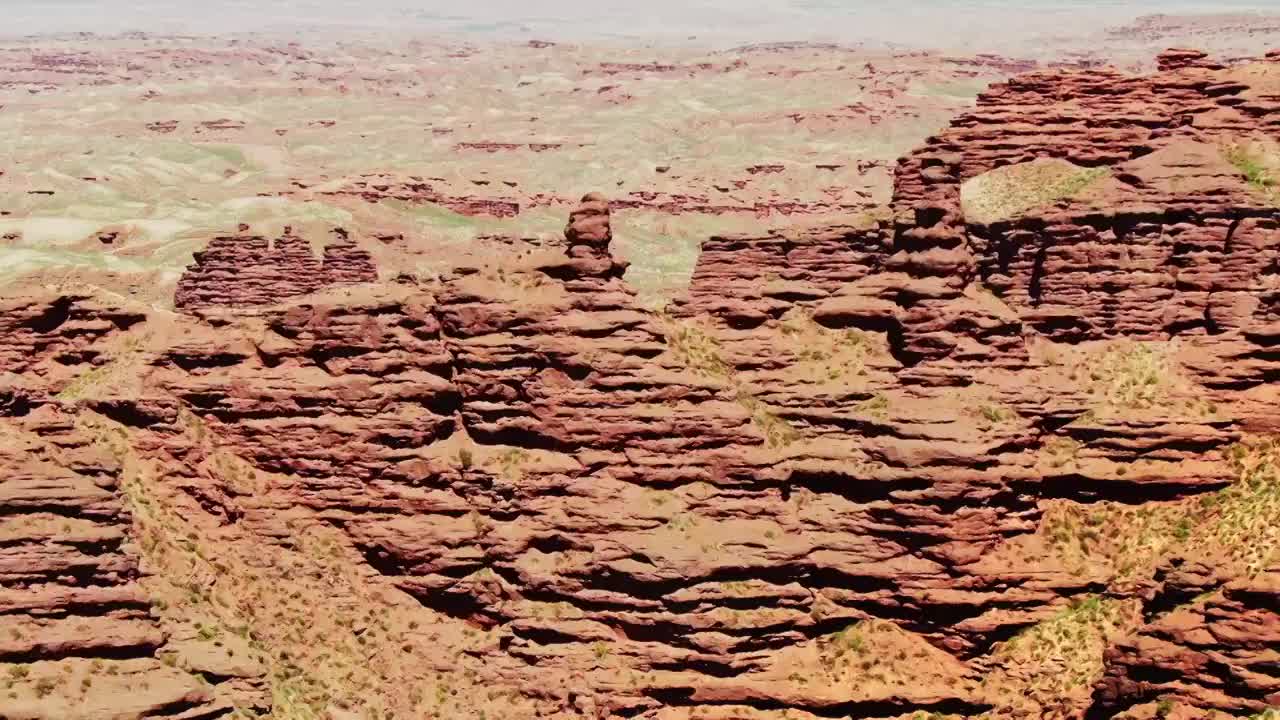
<point x="919" y="22"/>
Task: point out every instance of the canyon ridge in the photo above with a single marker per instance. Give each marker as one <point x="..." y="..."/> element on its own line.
<point x="356" y="380"/>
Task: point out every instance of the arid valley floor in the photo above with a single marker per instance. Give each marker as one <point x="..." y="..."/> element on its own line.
<point x="354" y="375"/>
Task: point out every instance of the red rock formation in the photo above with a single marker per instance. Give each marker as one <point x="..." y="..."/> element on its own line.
<point x="1171" y="206"/>
<point x="746" y="280"/>
<point x="588" y="235"/>
<point x="60" y="328"/>
<point x="837" y="426"/>
<point x="346" y="264"/>
<point x="493" y="147"/>
<point x="663" y="465"/>
<point x="1180" y="58"/>
<point x="374" y="188"/>
<point x="246" y="271"/>
<point x="72" y="605"/>
<point x="1173" y="244"/>
<point x="1214" y="654"/>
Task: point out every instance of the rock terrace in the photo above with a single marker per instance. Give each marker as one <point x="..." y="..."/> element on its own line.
<point x="1001" y="450"/>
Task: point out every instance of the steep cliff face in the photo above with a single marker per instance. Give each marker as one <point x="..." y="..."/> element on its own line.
<point x="1217" y="652"/>
<point x="1002" y="448"/>
<point x="248" y="270"/>
<point x="83" y="635"/>
<point x="1094" y="253"/>
<point x="47" y="330"/>
<point x="1094" y="204"/>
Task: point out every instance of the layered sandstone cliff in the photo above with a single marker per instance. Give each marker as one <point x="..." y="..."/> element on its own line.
<point x="249" y="270"/>
<point x="83" y="635"/>
<point x="1003" y="448"/>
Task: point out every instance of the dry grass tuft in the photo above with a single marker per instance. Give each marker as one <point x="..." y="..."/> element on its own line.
<point x="1123" y="377"/>
<point x="826" y="355"/>
<point x="1259" y="162"/>
<point x="868" y="659"/>
<point x="124" y="359"/>
<point x="1238" y="526"/>
<point x="693" y="345"/>
<point x="1062" y="656"/>
<point x="1131" y="374"/>
<point x="1008" y="192"/>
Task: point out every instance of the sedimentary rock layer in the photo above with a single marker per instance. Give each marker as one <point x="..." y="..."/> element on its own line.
<point x="80" y="635"/>
<point x="247" y="270"/>
<point x="824" y="482"/>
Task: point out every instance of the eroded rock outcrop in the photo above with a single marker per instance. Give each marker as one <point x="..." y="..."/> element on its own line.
<point x="588" y="235"/>
<point x="1128" y="251"/>
<point x="46" y="329"/>
<point x="857" y="471"/>
<point x="1214" y="654"/>
<point x="80" y="633"/>
<point x="1155" y="223"/>
<point x="249" y="270"/>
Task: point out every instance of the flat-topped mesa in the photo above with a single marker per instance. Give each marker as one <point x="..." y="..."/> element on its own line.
<point x="588" y="236"/>
<point x="1179" y="58"/>
<point x="247" y="271"/>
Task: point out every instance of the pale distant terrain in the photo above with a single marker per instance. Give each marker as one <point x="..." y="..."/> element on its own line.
<point x="1000" y="25"/>
<point x="133" y="135"/>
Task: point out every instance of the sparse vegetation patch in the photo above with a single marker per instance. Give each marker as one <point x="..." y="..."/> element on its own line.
<point x="1258" y="166"/>
<point x="695" y="347"/>
<point x="1061" y="656"/>
<point x="1008" y="192"/>
<point x="823" y="354"/>
<point x="1239" y="526"/>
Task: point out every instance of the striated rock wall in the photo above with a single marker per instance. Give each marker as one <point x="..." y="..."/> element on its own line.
<point x="80" y="634"/>
<point x="1162" y="235"/>
<point x="55" y="327"/>
<point x="1167" y="232"/>
<point x="1215" y="654"/>
<point x="850" y="475"/>
<point x="708" y="497"/>
<point x="248" y="270"/>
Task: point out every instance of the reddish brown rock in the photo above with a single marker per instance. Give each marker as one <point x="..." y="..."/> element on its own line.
<point x="1215" y="654"/>
<point x="533" y="421"/>
<point x="588" y="235"/>
<point x="46" y="327"/>
<point x="247" y="271"/>
<point x="374" y="188"/>
<point x="72" y="600"/>
<point x="1180" y="58"/>
<point x="864" y="424"/>
<point x="345" y="263"/>
<point x="748" y="279"/>
<point x="1143" y="254"/>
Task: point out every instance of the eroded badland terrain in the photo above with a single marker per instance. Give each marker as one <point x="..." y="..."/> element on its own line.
<point x="365" y="379"/>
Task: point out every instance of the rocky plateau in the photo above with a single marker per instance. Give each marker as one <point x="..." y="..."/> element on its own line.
<point x="1002" y="446"/>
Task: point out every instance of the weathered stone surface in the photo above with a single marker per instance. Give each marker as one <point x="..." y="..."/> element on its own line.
<point x="1215" y="654"/>
<point x="587" y="236"/>
<point x="73" y="611"/>
<point x="47" y="328"/>
<point x="865" y="425"/>
<point x="247" y="270"/>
